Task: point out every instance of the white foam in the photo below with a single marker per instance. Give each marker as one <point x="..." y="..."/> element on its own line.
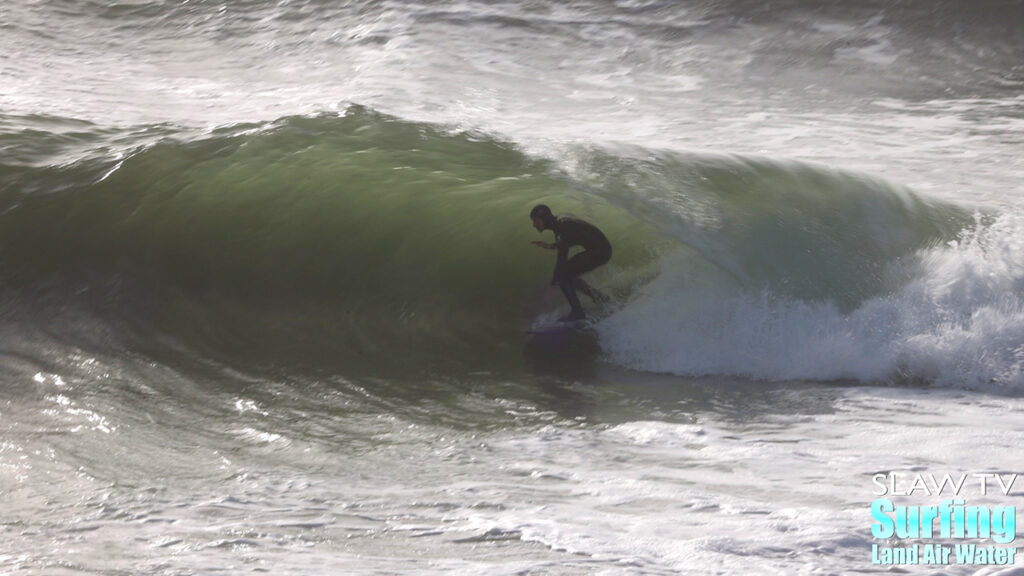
<point x="959" y="322"/>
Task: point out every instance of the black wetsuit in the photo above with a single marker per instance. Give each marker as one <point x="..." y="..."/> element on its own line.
<point x="597" y="251"/>
<point x="571" y="232"/>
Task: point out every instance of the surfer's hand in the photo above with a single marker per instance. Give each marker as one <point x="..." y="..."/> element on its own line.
<point x="542" y="244"/>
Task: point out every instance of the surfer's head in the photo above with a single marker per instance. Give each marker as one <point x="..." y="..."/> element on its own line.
<point x="542" y="217"/>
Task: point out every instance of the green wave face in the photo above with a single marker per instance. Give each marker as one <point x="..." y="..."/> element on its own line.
<point x="318" y="206"/>
<point x="353" y="234"/>
<point x="366" y="240"/>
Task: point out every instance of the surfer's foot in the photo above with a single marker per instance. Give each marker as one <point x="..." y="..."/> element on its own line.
<point x="573" y="316"/>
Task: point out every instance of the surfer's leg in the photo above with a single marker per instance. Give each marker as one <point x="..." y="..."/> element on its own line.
<point x="594" y="294"/>
<point x="585" y="262"/>
<point x="568" y="286"/>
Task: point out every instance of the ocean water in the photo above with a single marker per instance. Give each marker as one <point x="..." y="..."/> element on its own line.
<point x="266" y="284"/>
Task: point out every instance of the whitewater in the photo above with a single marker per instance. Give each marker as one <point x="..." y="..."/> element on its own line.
<point x="266" y="284"/>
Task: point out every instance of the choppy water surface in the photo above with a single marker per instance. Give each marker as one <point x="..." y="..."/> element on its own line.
<point x="265" y="282"/>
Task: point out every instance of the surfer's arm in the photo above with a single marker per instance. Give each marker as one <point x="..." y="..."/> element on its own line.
<point x="563" y="255"/>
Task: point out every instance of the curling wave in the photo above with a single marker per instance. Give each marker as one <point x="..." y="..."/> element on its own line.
<point x="369" y="243"/>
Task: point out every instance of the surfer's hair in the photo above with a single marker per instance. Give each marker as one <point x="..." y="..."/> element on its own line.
<point x="541" y="212"/>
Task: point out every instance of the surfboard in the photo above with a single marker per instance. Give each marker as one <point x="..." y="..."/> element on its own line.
<point x="560" y="327"/>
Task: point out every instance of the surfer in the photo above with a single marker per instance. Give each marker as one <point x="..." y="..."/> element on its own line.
<point x="570" y="231"/>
